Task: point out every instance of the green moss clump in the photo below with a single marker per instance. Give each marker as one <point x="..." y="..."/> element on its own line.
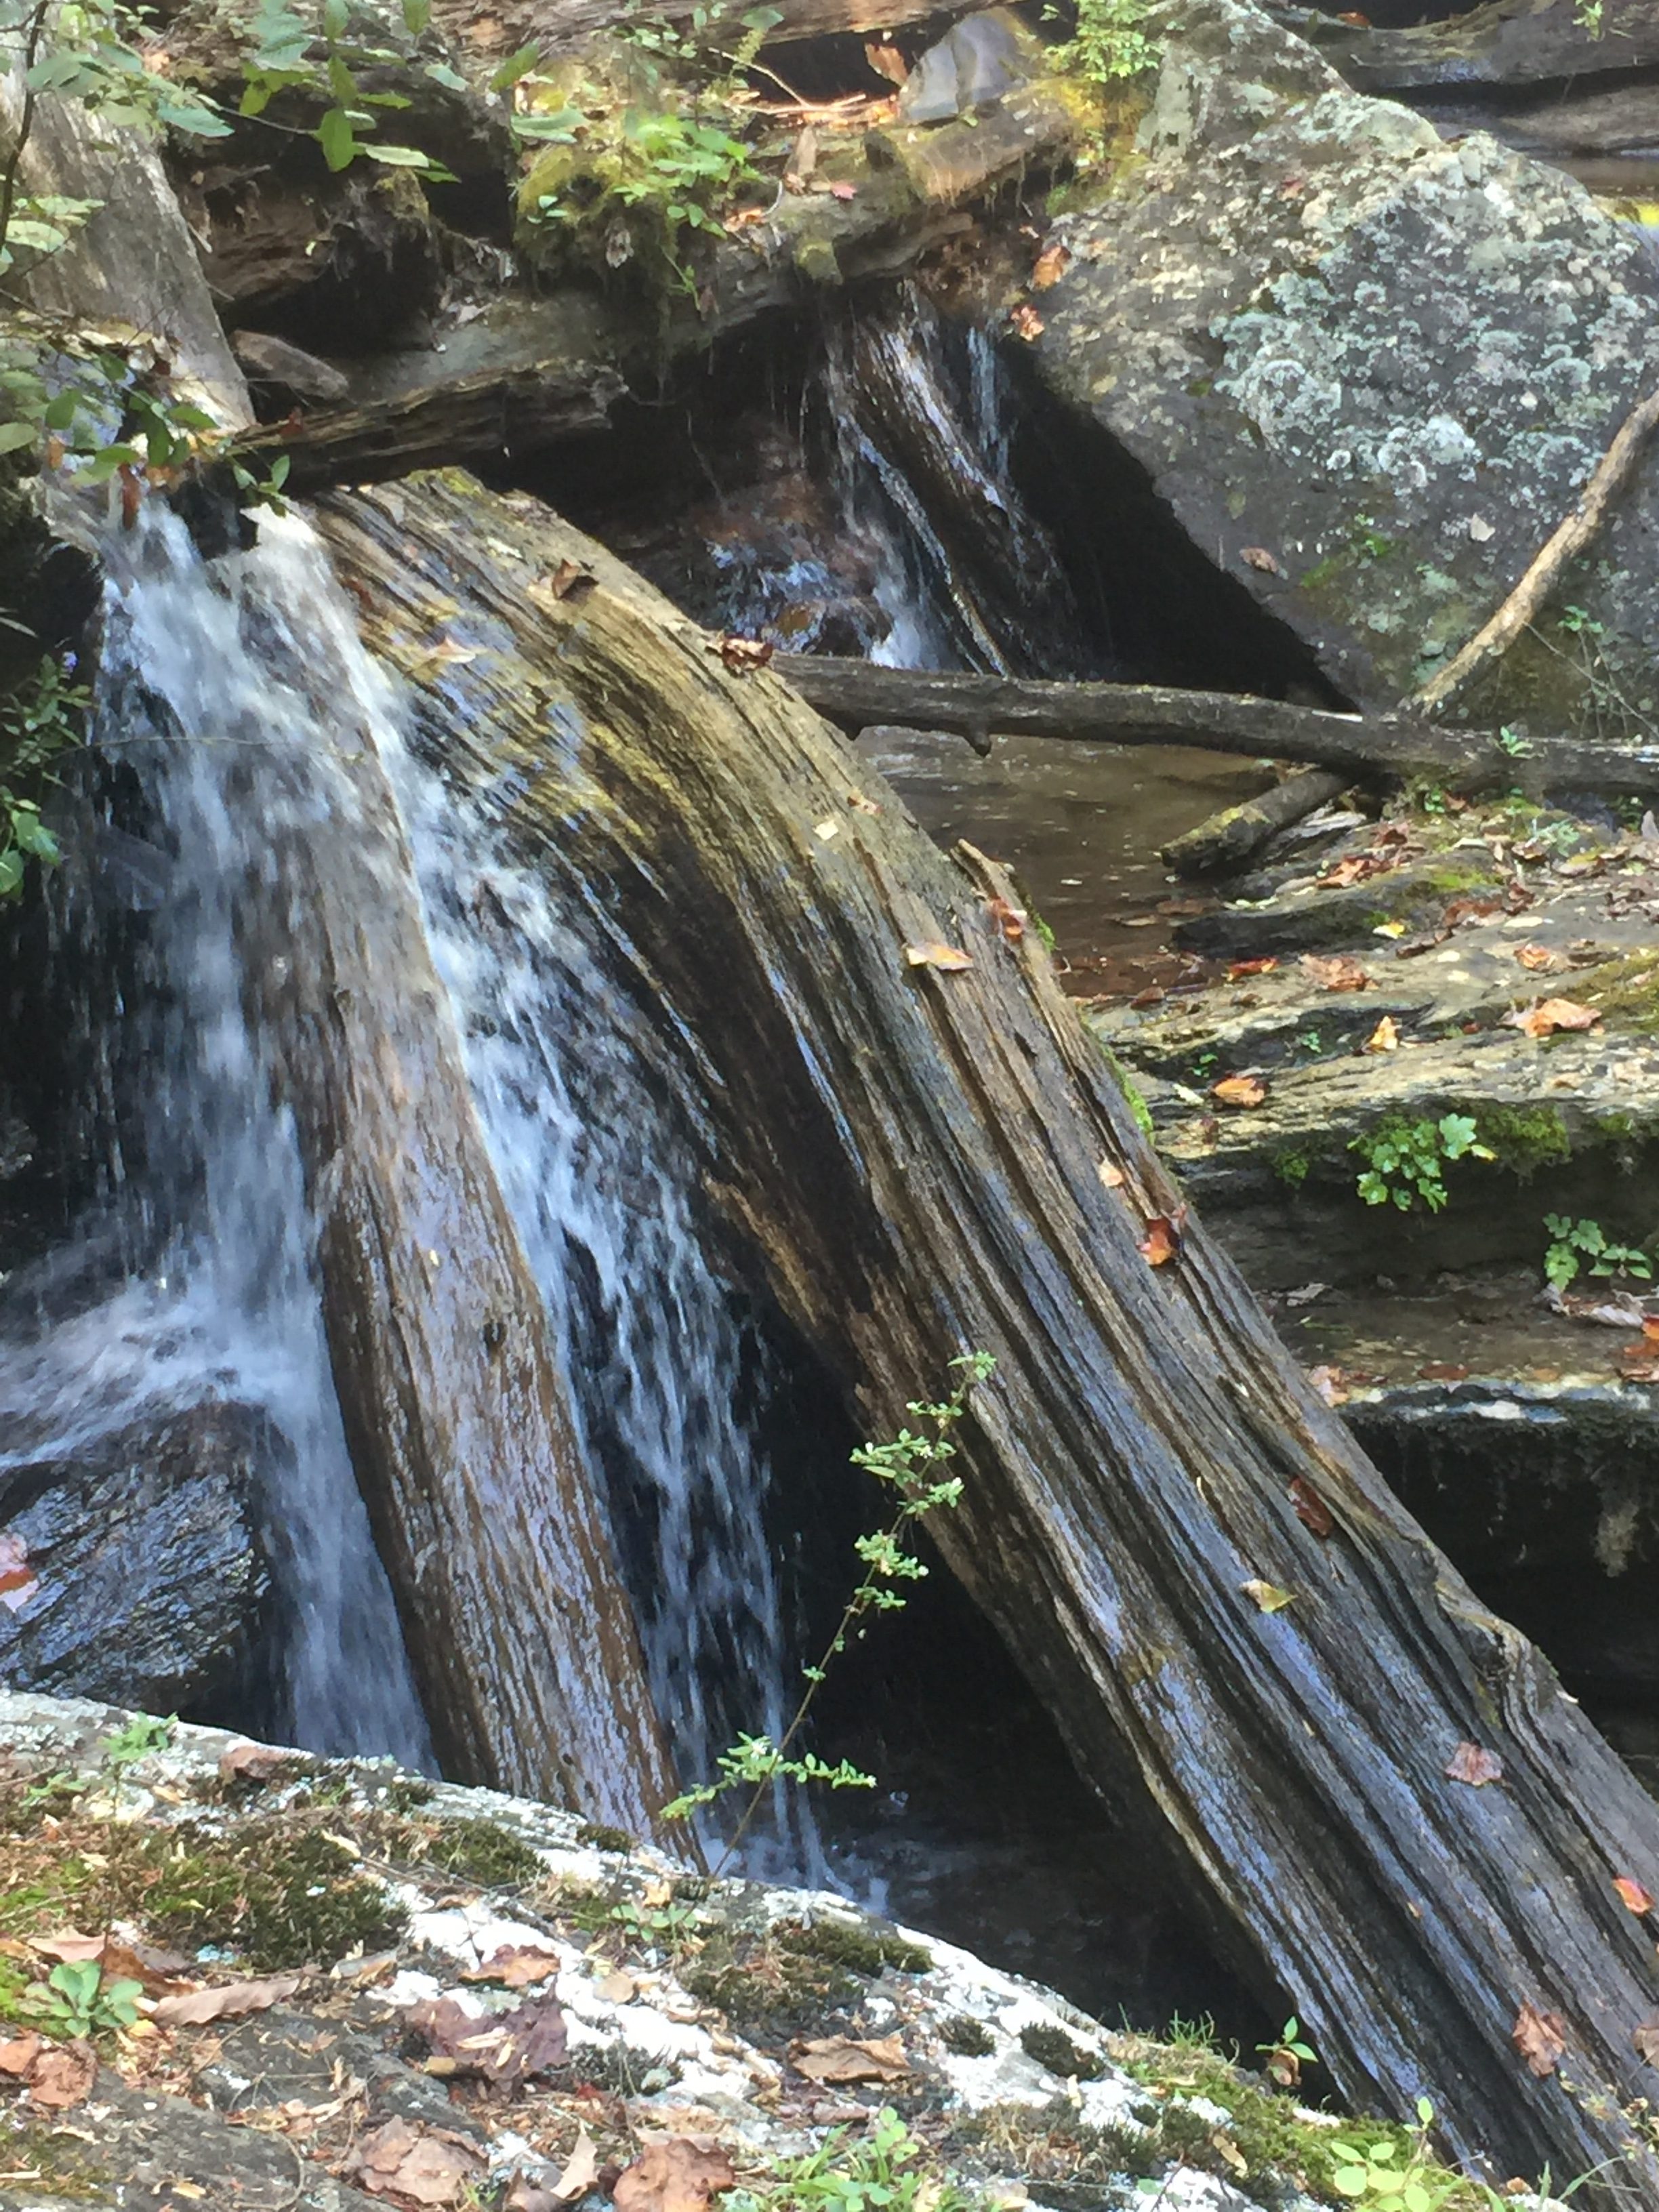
<point x="1525" y="1140"/>
<point x="277" y="1898"/>
<point x="596" y="1837"/>
<point x="483" y="1852"/>
<point x="1626" y="993"/>
<point x="404" y="1796"/>
<point x="967" y="2037"/>
<point x="787" y="1977"/>
<point x="1292" y="1167"/>
<point x="1052" y="2048"/>
<point x="860" y="1950"/>
<point x="58" y="2164"/>
<point x="1126" y="1082"/>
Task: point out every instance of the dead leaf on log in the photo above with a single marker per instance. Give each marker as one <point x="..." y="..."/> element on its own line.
<point x="1267" y="1596"/>
<point x="1329" y="1382"/>
<point x="839" y="2059"/>
<point x="1258" y="557"/>
<point x="1541" y="2040"/>
<point x="1237" y="970"/>
<point x="1110" y="1176"/>
<point x="229" y="2000"/>
<point x="1546" y="1016"/>
<point x="1385" y="1037"/>
<point x="1337" y="972"/>
<point x="742" y="655"/>
<point x="1011" y="919"/>
<point x="1028" y="324"/>
<point x="63" y="2075"/>
<point x="569" y="583"/>
<point x="887" y="61"/>
<point x="1051" y="265"/>
<point x="1470" y="1764"/>
<point x="860" y="805"/>
<point x="1646" y="2039"/>
<point x="1631" y="1894"/>
<point x="1357" y="868"/>
<point x="398" y="2160"/>
<point x="1310" y="1508"/>
<point x="946" y="957"/>
<point x="504" y="2048"/>
<point x="250" y="1762"/>
<point x="675" y="2176"/>
<point x="20" y="2053"/>
<point x="516" y="1966"/>
<point x="1161" y="1241"/>
<point x="1240" y="1090"/>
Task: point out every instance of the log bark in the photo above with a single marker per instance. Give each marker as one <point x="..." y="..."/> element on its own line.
<point x="855" y="694"/>
<point x="1228" y="838"/>
<point x="913" y="1160"/>
<point x="493" y="413"/>
<point x="560" y="26"/>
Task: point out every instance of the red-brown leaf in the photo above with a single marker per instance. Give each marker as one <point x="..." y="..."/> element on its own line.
<point x="1258" y="556"/>
<point x="1546" y="1016"/>
<point x="1631" y="1894"/>
<point x="1311" y="1508"/>
<point x="1470" y="1764"/>
<point x="1237" y="970"/>
<point x="1162" y="1240"/>
<point x="675" y="2176"/>
<point x="1541" y="2040"/>
<point x="1239" y="1090"/>
<point x="1337" y="973"/>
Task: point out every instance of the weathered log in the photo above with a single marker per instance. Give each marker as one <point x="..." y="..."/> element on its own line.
<point x="855" y="694"/>
<point x="451" y="1389"/>
<point x="560" y="26"/>
<point x="1227" y="839"/>
<point x="919" y="1162"/>
<point x="494" y="412"/>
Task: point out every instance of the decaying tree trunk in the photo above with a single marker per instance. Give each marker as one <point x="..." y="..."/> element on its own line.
<point x="856" y="695"/>
<point x="1194" y="1562"/>
<point x="522" y="1634"/>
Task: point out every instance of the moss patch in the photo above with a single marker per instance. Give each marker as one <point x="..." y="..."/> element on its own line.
<point x="53" y="2161"/>
<point x="1525" y="1140"/>
<point x="1624" y="991"/>
<point x="598" y="1837"/>
<point x="967" y="2037"/>
<point x="1052" y="2048"/>
<point x="787" y="1977"/>
<point x="481" y="1851"/>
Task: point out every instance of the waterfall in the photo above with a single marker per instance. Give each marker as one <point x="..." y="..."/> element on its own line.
<point x="230" y="690"/>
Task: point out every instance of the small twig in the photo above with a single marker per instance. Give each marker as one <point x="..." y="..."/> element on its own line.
<point x="1569" y="538"/>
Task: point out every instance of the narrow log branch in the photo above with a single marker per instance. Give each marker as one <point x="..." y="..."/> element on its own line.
<point x="1227" y="839"/>
<point x="1569" y="538"/>
<point x="854" y="696"/>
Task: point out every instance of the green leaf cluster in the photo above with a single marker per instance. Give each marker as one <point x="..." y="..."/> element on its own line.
<point x="1406" y="1160"/>
<point x="1574" y="1242"/>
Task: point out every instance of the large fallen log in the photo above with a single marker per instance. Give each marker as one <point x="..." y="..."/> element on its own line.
<point x="856" y="695"/>
<point x="1208" y="1584"/>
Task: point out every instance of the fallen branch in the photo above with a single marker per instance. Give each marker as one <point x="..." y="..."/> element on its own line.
<point x="1227" y="839"/>
<point x="1569" y="538"/>
<point x="855" y="694"/>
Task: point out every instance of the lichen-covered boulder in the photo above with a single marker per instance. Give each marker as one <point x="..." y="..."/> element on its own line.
<point x="1368" y="370"/>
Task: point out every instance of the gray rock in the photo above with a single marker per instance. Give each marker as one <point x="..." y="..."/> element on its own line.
<point x="274" y="360"/>
<point x="152" y="1588"/>
<point x="1389" y="361"/>
<point x="976" y="62"/>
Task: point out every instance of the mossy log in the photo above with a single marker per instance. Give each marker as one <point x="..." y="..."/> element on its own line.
<point x="1204" y="1577"/>
<point x="451" y="1389"/>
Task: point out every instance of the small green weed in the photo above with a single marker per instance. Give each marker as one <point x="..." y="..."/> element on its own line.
<point x="1573" y="1242"/>
<point x="1406" y="1161"/>
<point x="884" y="2170"/>
<point x="1110" y="43"/>
<point x="43" y="716"/>
<point x="78" y="2000"/>
<point x="1288" y="2056"/>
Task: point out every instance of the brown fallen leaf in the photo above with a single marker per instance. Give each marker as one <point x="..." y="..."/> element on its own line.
<point x="67" y="1944"/>
<point x="1110" y="1176"/>
<point x="1050" y="267"/>
<point x="839" y="2059"/>
<point x="1028" y="324"/>
<point x="20" y="2053"/>
<point x="1330" y="1382"/>
<point x="569" y="583"/>
<point x="1237" y="970"/>
<point x="677" y="2175"/>
<point x="1267" y="1596"/>
<point x="1337" y="973"/>
<point x="18" y="1581"/>
<point x="516" y="1966"/>
<point x="1357" y="868"/>
<point x="1310" y="1508"/>
<point x="886" y="61"/>
<point x="1646" y="2039"/>
<point x="580" y="2170"/>
<point x="742" y="655"/>
<point x="1443" y="1370"/>
<point x="1161" y="1241"/>
<point x="503" y="2049"/>
<point x="396" y="2159"/>
<point x="226" y="2001"/>
<point x="1239" y="1090"/>
<point x="1385" y="1037"/>
<point x="944" y="957"/>
<point x="62" y="2076"/>
<point x="860" y="805"/>
<point x="1541" y="2040"/>
<point x="1258" y="557"/>
<point x="1011" y="919"/>
<point x="1545" y="1016"/>
<point x="843" y="191"/>
<point x="1470" y="1763"/>
<point x="250" y="1762"/>
<point x="1538" y="958"/>
<point x="1631" y="1894"/>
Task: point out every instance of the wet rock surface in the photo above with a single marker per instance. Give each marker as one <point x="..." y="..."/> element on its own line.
<point x="1385" y="362"/>
<point x="673" y="2012"/>
<point x="134" y="1568"/>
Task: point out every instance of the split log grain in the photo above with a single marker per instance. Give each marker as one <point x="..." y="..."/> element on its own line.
<point x="916" y="1163"/>
<point x="855" y="693"/>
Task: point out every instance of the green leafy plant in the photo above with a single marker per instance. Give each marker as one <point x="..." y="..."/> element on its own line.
<point x="41" y="717"/>
<point x="1377" y="2171"/>
<point x="78" y="2000"/>
<point x="1575" y="620"/>
<point x="884" y="2170"/>
<point x="642" y="182"/>
<point x="909" y="1464"/>
<point x="1513" y="741"/>
<point x="1406" y="1161"/>
<point x="1288" y="2054"/>
<point x="328" y="55"/>
<point x="142" y="1735"/>
<point x="1574" y="1242"/>
<point x="1110" y="43"/>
